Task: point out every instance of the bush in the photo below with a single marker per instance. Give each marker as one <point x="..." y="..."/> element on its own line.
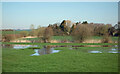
<point x="9" y="37"/>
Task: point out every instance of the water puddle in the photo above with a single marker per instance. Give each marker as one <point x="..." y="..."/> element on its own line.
<point x="23" y="46"/>
<point x="112" y="50"/>
<point x="17" y="46"/>
<point x="95" y="52"/>
<point x="44" y="51"/>
<point x="51" y="49"/>
<point x="105" y="50"/>
<point x="36" y="53"/>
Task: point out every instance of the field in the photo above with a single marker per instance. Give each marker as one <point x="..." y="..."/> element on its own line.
<point x="62" y="43"/>
<point x="11" y="32"/>
<point x="64" y="61"/>
<point x="60" y="37"/>
<point x="69" y="38"/>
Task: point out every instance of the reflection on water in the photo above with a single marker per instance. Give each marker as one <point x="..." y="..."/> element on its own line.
<point x="17" y="46"/>
<point x="50" y="49"/>
<point x="112" y="50"/>
<point x="36" y="52"/>
<point x="45" y="50"/>
<point x="7" y="46"/>
<point x="95" y="52"/>
<point x="23" y="46"/>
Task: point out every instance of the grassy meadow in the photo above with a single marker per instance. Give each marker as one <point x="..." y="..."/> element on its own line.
<point x="12" y="32"/>
<point x="64" y="61"/>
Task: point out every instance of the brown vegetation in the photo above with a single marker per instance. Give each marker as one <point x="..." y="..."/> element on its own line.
<point x="9" y="37"/>
<point x="106" y="39"/>
<point x="48" y="33"/>
<point x="79" y="31"/>
<point x="24" y="33"/>
<point x="82" y="32"/>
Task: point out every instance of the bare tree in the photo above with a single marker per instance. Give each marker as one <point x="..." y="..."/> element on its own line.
<point x="40" y="31"/>
<point x="24" y="33"/>
<point x="82" y="32"/>
<point x="48" y="34"/>
<point x="32" y="32"/>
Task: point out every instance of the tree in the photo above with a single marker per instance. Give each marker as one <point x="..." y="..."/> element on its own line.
<point x="82" y="32"/>
<point x="48" y="33"/>
<point x="38" y="27"/>
<point x="111" y="31"/>
<point x="32" y="32"/>
<point x="101" y="29"/>
<point x="24" y="33"/>
<point x="32" y="27"/>
<point x="105" y="29"/>
<point x="65" y="26"/>
<point x="68" y="26"/>
<point x="72" y="28"/>
<point x="85" y="22"/>
<point x="40" y="31"/>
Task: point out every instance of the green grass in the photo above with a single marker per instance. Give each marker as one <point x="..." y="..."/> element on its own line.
<point x="62" y="43"/>
<point x="64" y="61"/>
<point x="11" y="32"/>
<point x="70" y="38"/>
<point x="30" y="39"/>
<point x="0" y="59"/>
<point x="96" y="37"/>
<point x="54" y="38"/>
<point x="62" y="38"/>
<point x="100" y="37"/>
<point x="115" y="38"/>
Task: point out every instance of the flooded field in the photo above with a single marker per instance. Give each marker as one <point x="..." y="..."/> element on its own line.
<point x="38" y="58"/>
<point x="42" y="50"/>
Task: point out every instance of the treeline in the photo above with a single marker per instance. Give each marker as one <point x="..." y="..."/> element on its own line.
<point x="67" y="28"/>
<point x="79" y="31"/>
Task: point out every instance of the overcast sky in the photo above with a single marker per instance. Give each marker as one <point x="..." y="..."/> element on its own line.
<point x="20" y="15"/>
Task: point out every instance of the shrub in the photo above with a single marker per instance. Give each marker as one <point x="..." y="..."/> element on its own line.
<point x="9" y="37"/>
